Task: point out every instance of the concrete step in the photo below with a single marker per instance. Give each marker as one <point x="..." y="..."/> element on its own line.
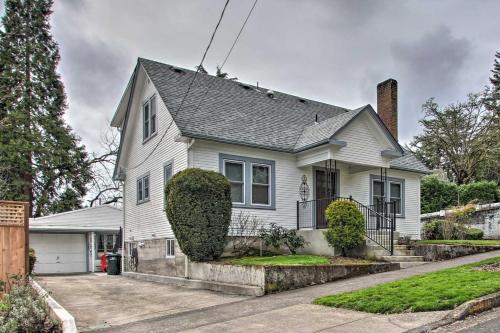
<point x="408" y="264"/>
<point x="402" y="258"/>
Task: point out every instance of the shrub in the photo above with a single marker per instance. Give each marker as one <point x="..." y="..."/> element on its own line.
<point x="346" y="227"/>
<point x="462" y="214"/>
<point x="23" y="310"/>
<point x="199" y="210"/>
<point x="473" y="234"/>
<point x="278" y="236"/>
<point x="443" y="230"/>
<point x="436" y="194"/>
<point x="32" y="260"/>
<point x="483" y="192"/>
<point x="245" y="233"/>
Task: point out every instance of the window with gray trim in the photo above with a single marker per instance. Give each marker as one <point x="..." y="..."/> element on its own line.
<point x="143" y="189"/>
<point x="167" y="174"/>
<point x="392" y="191"/>
<point x="149" y="122"/>
<point x="252" y="181"/>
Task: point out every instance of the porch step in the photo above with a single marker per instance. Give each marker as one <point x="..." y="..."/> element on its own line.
<point x="408" y="264"/>
<point x="401" y="259"/>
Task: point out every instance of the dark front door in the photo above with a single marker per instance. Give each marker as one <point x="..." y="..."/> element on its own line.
<point x="323" y="194"/>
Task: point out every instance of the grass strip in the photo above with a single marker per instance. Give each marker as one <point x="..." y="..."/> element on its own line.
<point x="441" y="290"/>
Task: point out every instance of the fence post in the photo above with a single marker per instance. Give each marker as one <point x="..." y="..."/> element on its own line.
<point x="298" y="215"/>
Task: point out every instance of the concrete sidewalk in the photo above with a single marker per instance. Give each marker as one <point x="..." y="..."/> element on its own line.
<point x="292" y="311"/>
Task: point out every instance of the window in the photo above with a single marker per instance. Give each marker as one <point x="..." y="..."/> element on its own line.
<point x="170" y="247"/>
<point x="260" y="184"/>
<point x="109" y="243"/>
<point x="395" y="195"/>
<point x="252" y="181"/>
<point x="393" y="191"/>
<point x="234" y="171"/>
<point x="167" y="174"/>
<point x="143" y="189"/>
<point x="149" y="118"/>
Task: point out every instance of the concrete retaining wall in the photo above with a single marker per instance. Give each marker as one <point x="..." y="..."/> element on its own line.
<point x="486" y="218"/>
<point x="280" y="278"/>
<point x="247" y="275"/>
<point x="436" y="252"/>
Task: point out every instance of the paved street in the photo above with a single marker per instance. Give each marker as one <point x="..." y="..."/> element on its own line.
<point x="487" y="322"/>
<point x="118" y="304"/>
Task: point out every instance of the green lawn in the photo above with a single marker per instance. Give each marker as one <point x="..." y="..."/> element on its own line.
<point x="440" y="290"/>
<point x="280" y="260"/>
<point x="461" y="242"/>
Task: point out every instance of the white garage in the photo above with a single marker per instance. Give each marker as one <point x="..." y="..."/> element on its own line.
<point x="59" y="253"/>
<point x="75" y="241"/>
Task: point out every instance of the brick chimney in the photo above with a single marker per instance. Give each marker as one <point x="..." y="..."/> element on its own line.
<point x="387" y="105"/>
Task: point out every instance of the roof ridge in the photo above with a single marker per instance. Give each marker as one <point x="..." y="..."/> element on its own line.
<point x="264" y="89"/>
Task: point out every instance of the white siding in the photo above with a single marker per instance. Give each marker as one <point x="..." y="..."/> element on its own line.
<point x="364" y="143"/>
<point x="288" y="178"/>
<point x="359" y="188"/>
<point x="147" y="220"/>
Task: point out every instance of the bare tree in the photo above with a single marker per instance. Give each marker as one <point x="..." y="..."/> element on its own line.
<point x="103" y="189"/>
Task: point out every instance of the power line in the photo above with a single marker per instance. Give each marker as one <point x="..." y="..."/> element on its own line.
<point x="187" y="91"/>
<point x="202" y="99"/>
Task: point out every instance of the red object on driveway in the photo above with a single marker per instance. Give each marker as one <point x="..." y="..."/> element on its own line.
<point x="104" y="264"/>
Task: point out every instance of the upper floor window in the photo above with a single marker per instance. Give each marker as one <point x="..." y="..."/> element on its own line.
<point x="252" y="181"/>
<point x="143" y="189"/>
<point x="149" y="123"/>
<point x="169" y="247"/>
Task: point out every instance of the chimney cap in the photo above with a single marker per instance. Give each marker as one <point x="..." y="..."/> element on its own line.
<point x="390" y="80"/>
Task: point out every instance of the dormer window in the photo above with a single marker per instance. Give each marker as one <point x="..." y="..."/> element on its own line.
<point x="149" y="123"/>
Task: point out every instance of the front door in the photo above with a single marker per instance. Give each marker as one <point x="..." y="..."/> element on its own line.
<point x="323" y="195"/>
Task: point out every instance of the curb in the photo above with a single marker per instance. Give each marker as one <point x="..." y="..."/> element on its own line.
<point x="474" y="306"/>
<point x="67" y="320"/>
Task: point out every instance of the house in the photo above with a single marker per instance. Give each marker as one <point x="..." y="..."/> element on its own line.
<point x="282" y="154"/>
<point x="74" y="241"/>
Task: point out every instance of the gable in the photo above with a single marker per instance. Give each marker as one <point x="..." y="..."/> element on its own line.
<point x="133" y="150"/>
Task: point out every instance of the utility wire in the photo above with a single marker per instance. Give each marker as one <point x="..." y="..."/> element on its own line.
<point x="187" y="91"/>
<point x="228" y="54"/>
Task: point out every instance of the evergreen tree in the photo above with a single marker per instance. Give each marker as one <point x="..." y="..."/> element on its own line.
<point x="41" y="160"/>
<point x="495" y="79"/>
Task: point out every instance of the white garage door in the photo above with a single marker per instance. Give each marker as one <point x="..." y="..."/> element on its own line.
<point x="59" y="253"/>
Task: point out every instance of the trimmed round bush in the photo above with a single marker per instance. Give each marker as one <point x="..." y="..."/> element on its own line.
<point x="473" y="234"/>
<point x="346" y="226"/>
<point x="198" y="207"/>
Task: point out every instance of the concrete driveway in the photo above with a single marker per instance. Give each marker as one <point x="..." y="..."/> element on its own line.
<point x="99" y="300"/>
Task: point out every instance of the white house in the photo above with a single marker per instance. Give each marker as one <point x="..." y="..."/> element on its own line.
<point x="265" y="142"/>
<point x="74" y="241"/>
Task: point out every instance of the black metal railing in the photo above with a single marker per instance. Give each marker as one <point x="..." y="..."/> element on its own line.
<point x="380" y="219"/>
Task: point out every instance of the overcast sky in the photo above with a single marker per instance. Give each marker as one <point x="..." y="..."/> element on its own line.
<point x="332" y="51"/>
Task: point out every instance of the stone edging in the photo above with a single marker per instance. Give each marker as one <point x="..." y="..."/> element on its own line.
<point x="462" y="311"/>
<point x="67" y="320"/>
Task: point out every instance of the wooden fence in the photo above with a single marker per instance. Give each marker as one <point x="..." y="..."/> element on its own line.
<point x="14" y="238"/>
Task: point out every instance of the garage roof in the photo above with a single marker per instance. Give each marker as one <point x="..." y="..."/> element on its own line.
<point x="99" y="218"/>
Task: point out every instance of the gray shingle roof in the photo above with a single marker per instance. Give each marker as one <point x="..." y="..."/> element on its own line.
<point x="322" y="131"/>
<point x="228" y="111"/>
<point x="409" y="162"/>
<point x="96" y="218"/>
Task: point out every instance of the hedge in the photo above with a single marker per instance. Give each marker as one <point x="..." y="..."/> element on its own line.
<point x="198" y="208"/>
<point x="436" y="194"/>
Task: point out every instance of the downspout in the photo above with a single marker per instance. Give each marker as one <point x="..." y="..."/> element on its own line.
<point x="123" y="231"/>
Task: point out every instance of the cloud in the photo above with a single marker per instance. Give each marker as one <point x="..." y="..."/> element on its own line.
<point x="334" y="51"/>
<point x="437" y="58"/>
